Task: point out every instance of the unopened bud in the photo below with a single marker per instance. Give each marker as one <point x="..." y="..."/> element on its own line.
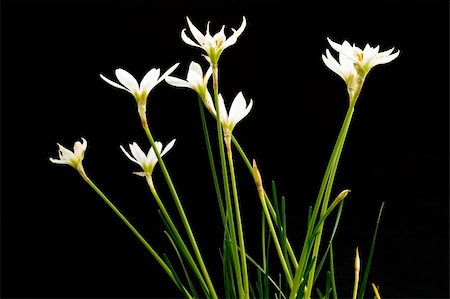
<point x="258" y="179"/>
<point x="357" y="262"/>
<point x="340" y="198"/>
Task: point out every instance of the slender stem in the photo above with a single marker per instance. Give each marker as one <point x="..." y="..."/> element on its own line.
<point x="226" y="186"/>
<point x="333" y="280"/>
<point x="269" y="204"/>
<point x="238" y="222"/>
<point x="211" y="161"/>
<point x="327" y="185"/>
<point x="261" y="194"/>
<point x="180" y="208"/>
<point x="131" y="227"/>
<point x="177" y="235"/>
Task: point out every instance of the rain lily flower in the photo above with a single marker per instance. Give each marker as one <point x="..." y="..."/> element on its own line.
<point x="213" y="45"/>
<point x="74" y="158"/>
<point x="354" y="63"/>
<point x="147" y="162"/>
<point x="139" y="91"/>
<point x="197" y="81"/>
<point x="238" y="111"/>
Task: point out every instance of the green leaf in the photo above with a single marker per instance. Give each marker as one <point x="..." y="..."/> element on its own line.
<point x="369" y="259"/>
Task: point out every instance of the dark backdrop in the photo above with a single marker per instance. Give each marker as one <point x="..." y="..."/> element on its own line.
<point x="58" y="237"/>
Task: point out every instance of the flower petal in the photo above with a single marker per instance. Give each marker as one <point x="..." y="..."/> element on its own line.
<point x="168" y="72"/>
<point x="187" y="40"/>
<point x="128" y="155"/>
<point x="113" y="83"/>
<point x="168" y="147"/>
<point x="237" y="109"/>
<point x="223" y="111"/>
<point x="137" y="153"/>
<point x="233" y="38"/>
<point x="149" y="81"/>
<point x="199" y="37"/>
<point x="127" y="80"/>
<point x="177" y="82"/>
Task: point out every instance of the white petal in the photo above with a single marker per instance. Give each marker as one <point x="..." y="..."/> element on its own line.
<point x="233" y="38"/>
<point x="177" y="82"/>
<point x="113" y="83"/>
<point x="210" y="103"/>
<point x="195" y="74"/>
<point x="168" y="72"/>
<point x="208" y="74"/>
<point x="187" y="40"/>
<point x="168" y="147"/>
<point x="388" y="58"/>
<point x="332" y="64"/>
<point x="64" y="153"/>
<point x="237" y="109"/>
<point x="337" y="47"/>
<point x="128" y="155"/>
<point x="223" y="111"/>
<point x="57" y="161"/>
<point x="80" y="147"/>
<point x="199" y="37"/>
<point x="149" y="81"/>
<point x="127" y="80"/>
<point x="137" y="153"/>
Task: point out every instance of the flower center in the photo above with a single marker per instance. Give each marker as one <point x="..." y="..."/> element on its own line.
<point x="360" y="56"/>
<point x="219" y="43"/>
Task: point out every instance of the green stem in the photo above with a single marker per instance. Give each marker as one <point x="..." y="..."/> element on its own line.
<point x="180" y="208"/>
<point x="177" y="235"/>
<point x="269" y="204"/>
<point x="274" y="234"/>
<point x="211" y="161"/>
<point x="238" y="222"/>
<point x="327" y="185"/>
<point x="130" y="226"/>
<point x="226" y="186"/>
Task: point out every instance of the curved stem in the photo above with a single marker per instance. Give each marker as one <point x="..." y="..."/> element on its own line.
<point x="177" y="235"/>
<point x="179" y="206"/>
<point x="131" y="227"/>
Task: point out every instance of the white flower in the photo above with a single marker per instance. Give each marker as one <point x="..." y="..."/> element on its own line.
<point x="363" y="60"/>
<point x="343" y="68"/>
<point x="142" y="90"/>
<point x="197" y="81"/>
<point x="68" y="157"/>
<point x="147" y="162"/>
<point x="213" y="45"/>
<point x="238" y="111"/>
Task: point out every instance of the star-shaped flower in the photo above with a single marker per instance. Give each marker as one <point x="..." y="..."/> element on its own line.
<point x="354" y="63"/>
<point x="68" y="157"/>
<point x="363" y="60"/>
<point x="213" y="45"/>
<point x="147" y="162"/>
<point x="197" y="81"/>
<point x="139" y="91"/>
<point x="238" y="111"/>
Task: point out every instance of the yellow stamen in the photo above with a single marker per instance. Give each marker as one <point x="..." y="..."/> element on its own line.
<point x="360" y="56"/>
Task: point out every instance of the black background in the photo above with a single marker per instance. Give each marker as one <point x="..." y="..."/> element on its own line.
<point x="58" y="237"/>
